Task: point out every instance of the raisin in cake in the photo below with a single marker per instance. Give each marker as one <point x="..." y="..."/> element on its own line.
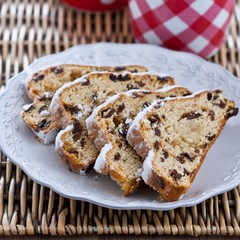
<point x="108" y="125"/>
<point x="174" y="137"/>
<point x="74" y="102"/>
<point x="51" y="79"/>
<point x="43" y="84"/>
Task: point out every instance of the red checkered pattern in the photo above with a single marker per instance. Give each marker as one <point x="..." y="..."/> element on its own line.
<point x="188" y="25"/>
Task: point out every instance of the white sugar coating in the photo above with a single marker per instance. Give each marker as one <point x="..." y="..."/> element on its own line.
<point x="46" y="137"/>
<point x="79" y="116"/>
<point x="48" y="95"/>
<point x="101" y="159"/>
<point x="44" y="113"/>
<point x="128" y="121"/>
<point x="58" y="141"/>
<point x="84" y="110"/>
<point x="26" y="107"/>
<point x="168" y="88"/>
<point x="147" y="166"/>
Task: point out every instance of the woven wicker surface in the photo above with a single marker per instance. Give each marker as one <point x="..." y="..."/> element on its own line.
<point x="30" y="29"/>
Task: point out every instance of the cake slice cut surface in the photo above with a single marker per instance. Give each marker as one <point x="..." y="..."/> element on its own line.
<point x="52" y="78"/>
<point x="187" y="128"/>
<point x="117" y="158"/>
<point x="74" y="102"/>
<point x="44" y="83"/>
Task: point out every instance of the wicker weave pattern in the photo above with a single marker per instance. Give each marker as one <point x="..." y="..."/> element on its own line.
<point x="30" y="29"/>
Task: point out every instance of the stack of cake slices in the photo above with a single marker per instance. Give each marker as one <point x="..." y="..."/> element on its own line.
<point x="134" y="125"/>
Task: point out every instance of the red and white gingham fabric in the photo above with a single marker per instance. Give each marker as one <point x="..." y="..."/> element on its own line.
<point x="196" y="26"/>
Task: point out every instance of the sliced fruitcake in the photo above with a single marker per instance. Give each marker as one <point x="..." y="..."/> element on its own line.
<point x="74" y="102"/>
<point x="45" y="83"/>
<point x="52" y="78"/>
<point x="108" y="126"/>
<point x="174" y="136"/>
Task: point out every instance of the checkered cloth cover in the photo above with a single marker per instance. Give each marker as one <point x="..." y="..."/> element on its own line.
<point x="197" y="26"/>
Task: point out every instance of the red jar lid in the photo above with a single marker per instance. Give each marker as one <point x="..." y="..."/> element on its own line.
<point x="97" y="5"/>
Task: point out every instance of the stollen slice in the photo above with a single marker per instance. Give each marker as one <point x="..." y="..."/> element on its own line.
<point x="174" y="136"/>
<point x="41" y="87"/>
<point x="74" y="102"/>
<point x="52" y="78"/>
<point x="117" y="158"/>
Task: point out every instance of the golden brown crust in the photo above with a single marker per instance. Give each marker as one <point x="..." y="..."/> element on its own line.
<point x="69" y="160"/>
<point x="167" y="190"/>
<point x="126" y="187"/>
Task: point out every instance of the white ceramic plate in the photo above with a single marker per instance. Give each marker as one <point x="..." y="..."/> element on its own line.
<point x="220" y="171"/>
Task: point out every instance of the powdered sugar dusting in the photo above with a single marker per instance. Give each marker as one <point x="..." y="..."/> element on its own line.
<point x="101" y="159"/>
<point x="84" y="110"/>
<point x="147" y="166"/>
<point x="48" y="95"/>
<point x="168" y="88"/>
<point x="26" y="107"/>
<point x="44" y="113"/>
<point x="128" y="121"/>
<point x="58" y="141"/>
